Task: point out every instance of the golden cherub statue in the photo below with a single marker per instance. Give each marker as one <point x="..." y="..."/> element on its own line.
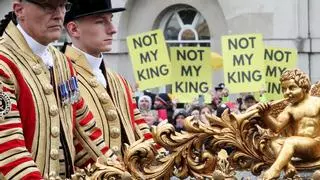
<point x="301" y="121"/>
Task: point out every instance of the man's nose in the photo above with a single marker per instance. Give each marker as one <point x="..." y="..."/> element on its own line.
<point x="112" y="29"/>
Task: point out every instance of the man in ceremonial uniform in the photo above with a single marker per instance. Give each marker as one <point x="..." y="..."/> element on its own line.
<point x="45" y="126"/>
<point x="109" y="95"/>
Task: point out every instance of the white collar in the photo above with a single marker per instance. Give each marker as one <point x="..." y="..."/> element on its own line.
<point x="36" y="47"/>
<point x="94" y="62"/>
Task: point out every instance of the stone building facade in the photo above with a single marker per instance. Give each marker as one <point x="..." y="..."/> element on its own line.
<point x="285" y="23"/>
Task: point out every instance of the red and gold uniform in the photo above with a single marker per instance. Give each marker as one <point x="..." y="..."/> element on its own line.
<point x="113" y="106"/>
<point x="41" y="137"/>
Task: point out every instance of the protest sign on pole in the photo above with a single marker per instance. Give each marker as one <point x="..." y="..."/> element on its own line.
<point x="150" y="59"/>
<point x="243" y="63"/>
<point x="191" y="73"/>
<point x="277" y="60"/>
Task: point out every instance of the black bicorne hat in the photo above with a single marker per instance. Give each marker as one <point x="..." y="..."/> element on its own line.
<point x="81" y="8"/>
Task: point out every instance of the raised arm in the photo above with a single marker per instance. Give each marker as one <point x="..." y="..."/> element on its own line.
<point x="275" y="124"/>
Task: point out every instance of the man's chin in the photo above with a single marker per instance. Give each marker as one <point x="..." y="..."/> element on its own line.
<point x="55" y="36"/>
<point x="106" y="49"/>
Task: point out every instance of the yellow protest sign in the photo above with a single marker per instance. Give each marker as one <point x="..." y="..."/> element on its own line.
<point x="150" y="59"/>
<point x="192" y="73"/>
<point x="243" y="63"/>
<point x="277" y="60"/>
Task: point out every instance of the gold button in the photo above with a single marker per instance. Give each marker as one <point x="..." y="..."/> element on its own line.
<point x="104" y="97"/>
<point x="93" y="82"/>
<point x="53" y="110"/>
<point x="115" y="132"/>
<point x="55" y="131"/>
<point x="48" y="89"/>
<point x="112" y="115"/>
<point x="54" y="154"/>
<point x="37" y="69"/>
<point x="115" y="149"/>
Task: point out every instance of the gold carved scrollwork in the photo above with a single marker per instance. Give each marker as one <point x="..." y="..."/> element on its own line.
<point x="187" y="155"/>
<point x="195" y="151"/>
<point x="110" y="170"/>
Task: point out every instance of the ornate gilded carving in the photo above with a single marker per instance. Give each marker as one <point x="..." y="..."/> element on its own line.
<point x="109" y="170"/>
<point x="195" y="151"/>
<point x="187" y="156"/>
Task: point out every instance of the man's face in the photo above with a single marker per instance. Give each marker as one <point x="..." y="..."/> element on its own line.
<point x="43" y="22"/>
<point x="250" y="102"/>
<point x="205" y="110"/>
<point x="292" y="91"/>
<point x="144" y="104"/>
<point x="219" y="93"/>
<point x="180" y="121"/>
<point x="158" y="104"/>
<point x="95" y="33"/>
<point x="196" y="113"/>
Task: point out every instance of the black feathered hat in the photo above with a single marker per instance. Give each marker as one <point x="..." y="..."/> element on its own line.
<point x="81" y="8"/>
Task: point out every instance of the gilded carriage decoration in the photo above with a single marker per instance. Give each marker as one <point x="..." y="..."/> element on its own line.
<point x="196" y="151"/>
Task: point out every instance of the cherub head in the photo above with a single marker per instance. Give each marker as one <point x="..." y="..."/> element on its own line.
<point x="295" y="84"/>
<point x="299" y="77"/>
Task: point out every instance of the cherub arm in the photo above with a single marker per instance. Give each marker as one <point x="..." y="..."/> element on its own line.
<point x="275" y="124"/>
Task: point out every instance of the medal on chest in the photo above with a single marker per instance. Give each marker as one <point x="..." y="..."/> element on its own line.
<point x="69" y="91"/>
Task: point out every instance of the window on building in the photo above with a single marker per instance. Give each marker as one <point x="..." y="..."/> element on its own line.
<point x="185" y="26"/>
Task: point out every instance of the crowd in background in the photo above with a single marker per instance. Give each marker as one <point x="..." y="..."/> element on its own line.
<point x="162" y="108"/>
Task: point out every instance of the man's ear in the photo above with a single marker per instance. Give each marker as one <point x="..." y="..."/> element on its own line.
<point x="73" y="29"/>
<point x="18" y="9"/>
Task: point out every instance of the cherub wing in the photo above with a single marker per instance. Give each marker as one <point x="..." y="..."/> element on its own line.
<point x="277" y="108"/>
<point x="315" y="89"/>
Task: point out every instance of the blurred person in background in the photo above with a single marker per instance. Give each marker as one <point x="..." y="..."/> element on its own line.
<point x="194" y="111"/>
<point x="249" y="101"/>
<point x="178" y="119"/>
<point x="220" y="95"/>
<point x="221" y="108"/>
<point x="233" y="107"/>
<point x="163" y="106"/>
<point x="205" y="110"/>
<point x="150" y="116"/>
